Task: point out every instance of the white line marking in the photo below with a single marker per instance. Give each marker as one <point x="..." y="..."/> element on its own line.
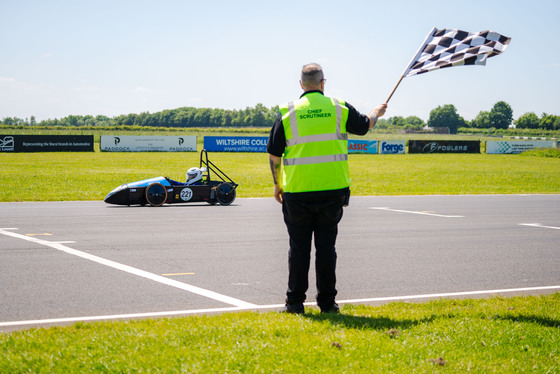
<point x="451" y="294"/>
<point x="539" y="225"/>
<point x="414" y="212"/>
<point x="118" y="316"/>
<point x="261" y="307"/>
<point x="132" y="270"/>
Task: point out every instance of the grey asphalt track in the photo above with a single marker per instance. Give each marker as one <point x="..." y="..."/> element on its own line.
<point x="66" y="261"/>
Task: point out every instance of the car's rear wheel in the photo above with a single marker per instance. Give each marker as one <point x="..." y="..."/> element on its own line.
<point x="225" y="193"/>
<point x="156" y="194"/>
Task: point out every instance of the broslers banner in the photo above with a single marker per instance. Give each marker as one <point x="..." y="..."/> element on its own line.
<point x="46" y="143"/>
<point x="131" y="143"/>
<point x="392" y="147"/>
<point x="443" y="146"/>
<point x="235" y="143"/>
<point x="510" y="147"/>
<point x="362" y="146"/>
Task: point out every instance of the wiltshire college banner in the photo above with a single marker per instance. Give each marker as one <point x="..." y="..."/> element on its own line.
<point x="444" y="146"/>
<point x="46" y="143"/>
<point x="235" y="143"/>
<point x="131" y="143"/>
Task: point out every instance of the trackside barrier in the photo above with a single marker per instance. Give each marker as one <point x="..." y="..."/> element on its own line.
<point x="362" y="146"/>
<point x="235" y="143"/>
<point x="514" y="147"/>
<point x="394" y="147"/>
<point x="131" y="143"/>
<point x="46" y="143"/>
<point x="444" y="146"/>
<point x="127" y="143"/>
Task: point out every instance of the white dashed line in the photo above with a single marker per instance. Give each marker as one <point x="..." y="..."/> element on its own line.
<point x="539" y="225"/>
<point x="414" y="212"/>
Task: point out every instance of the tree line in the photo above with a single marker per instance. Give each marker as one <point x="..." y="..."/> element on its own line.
<point x="499" y="117"/>
<point x="256" y="116"/>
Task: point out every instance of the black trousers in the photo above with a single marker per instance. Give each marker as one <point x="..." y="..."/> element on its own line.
<point x="306" y="219"/>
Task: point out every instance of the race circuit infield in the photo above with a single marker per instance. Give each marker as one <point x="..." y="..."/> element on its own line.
<point x="62" y="262"/>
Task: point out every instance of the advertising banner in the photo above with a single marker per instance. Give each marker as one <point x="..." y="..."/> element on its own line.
<point x="235" y="143"/>
<point x="392" y="147"/>
<point x="46" y="143"/>
<point x="362" y="146"/>
<point x="444" y="146"/>
<point x="131" y="143"/>
<point x="514" y="147"/>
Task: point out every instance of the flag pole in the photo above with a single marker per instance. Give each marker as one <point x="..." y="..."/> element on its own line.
<point x="394" y="89"/>
<point x="414" y="58"/>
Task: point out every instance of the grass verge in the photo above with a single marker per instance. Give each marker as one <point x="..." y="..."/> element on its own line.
<point x="518" y="334"/>
<point x="543" y="152"/>
<point x="90" y="176"/>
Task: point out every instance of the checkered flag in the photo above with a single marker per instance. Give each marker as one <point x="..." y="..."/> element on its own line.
<point x="449" y="47"/>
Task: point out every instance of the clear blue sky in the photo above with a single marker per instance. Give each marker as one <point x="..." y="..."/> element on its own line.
<point x="117" y="57"/>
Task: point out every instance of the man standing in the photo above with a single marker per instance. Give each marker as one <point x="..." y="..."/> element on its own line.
<point x="310" y="136"/>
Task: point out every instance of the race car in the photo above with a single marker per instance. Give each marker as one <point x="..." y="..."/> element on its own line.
<point x="199" y="187"/>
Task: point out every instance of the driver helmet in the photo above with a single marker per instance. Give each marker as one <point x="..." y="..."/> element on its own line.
<point x="194" y="175"/>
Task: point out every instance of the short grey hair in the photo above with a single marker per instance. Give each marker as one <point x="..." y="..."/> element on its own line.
<point x="311" y="74"/>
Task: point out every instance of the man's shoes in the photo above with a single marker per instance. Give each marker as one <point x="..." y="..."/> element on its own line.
<point x="293" y="309"/>
<point x="331" y="309"/>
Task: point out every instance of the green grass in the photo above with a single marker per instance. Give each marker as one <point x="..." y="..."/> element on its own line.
<point x="520" y="334"/>
<point x="91" y="175"/>
<point x="543" y="152"/>
<point x="420" y="174"/>
<point x="502" y="335"/>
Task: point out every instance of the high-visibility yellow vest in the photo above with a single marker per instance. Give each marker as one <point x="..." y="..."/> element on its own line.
<point x="316" y="154"/>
